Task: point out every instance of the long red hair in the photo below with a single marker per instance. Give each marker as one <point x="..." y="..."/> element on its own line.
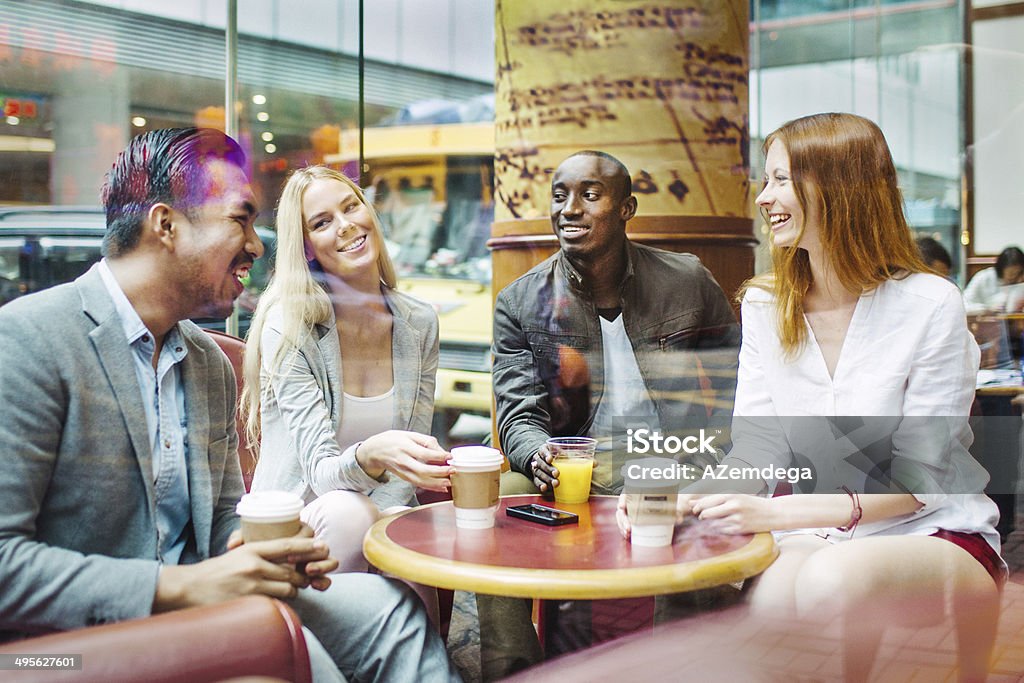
<point x="841" y="164"/>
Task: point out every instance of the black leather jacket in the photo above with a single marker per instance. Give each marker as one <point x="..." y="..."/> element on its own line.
<point x="682" y="329"/>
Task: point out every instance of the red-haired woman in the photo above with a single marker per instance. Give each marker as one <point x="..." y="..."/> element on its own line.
<point x="851" y="323"/>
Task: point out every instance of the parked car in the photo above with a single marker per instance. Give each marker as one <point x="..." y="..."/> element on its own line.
<point x="43" y="246"/>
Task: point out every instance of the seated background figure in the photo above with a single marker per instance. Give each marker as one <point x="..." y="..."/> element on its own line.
<point x="935" y="255"/>
<point x="990" y="289"/>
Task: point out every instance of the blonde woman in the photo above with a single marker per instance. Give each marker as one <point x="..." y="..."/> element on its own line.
<point x="852" y="323"/>
<point x="340" y="369"/>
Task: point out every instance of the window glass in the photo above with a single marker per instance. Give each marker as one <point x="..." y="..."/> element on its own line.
<point x="998" y="118"/>
<point x="427" y="151"/>
<point x="78" y="79"/>
<point x="899" y="66"/>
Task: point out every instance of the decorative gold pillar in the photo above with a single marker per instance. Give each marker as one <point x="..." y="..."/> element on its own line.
<point x="662" y="86"/>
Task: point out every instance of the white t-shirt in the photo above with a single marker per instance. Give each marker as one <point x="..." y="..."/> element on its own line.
<point x="624" y="395"/>
<point x="364" y="416"/>
<point x="907" y="352"/>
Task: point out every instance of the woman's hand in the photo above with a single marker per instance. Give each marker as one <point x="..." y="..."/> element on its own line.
<point x="734" y="513"/>
<point x="416" y="458"/>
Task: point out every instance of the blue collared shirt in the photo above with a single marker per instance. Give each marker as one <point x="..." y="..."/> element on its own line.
<point x="163" y="397"/>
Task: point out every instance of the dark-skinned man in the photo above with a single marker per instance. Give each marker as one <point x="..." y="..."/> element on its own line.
<point x="603" y="333"/>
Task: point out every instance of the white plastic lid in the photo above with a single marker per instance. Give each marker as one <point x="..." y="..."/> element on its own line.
<point x="651" y="535"/>
<point x="475" y="458"/>
<point x="269" y="506"/>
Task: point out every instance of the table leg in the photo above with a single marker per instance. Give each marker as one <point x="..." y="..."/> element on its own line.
<point x="568" y="626"/>
<point x="565" y="627"/>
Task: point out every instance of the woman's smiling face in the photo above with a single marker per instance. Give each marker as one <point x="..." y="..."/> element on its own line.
<point x="778" y="200"/>
<point x="340" y="233"/>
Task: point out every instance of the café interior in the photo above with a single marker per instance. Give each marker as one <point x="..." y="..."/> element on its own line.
<point x="684" y="93"/>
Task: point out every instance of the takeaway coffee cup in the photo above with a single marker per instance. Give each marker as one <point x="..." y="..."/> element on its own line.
<point x="652" y="518"/>
<point x="267" y="515"/>
<point x="475" y="484"/>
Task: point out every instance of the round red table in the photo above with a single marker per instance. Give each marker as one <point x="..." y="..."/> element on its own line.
<point x="585" y="561"/>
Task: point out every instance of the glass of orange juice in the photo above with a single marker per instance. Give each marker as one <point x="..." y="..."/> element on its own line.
<point x="574" y="459"/>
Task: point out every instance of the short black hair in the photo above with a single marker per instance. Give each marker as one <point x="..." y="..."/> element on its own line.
<point x="932" y="250"/>
<point x="163" y="165"/>
<point x="625" y="181"/>
<point x="1011" y="256"/>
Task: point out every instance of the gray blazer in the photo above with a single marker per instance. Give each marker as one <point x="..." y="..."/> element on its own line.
<point x="301" y="406"/>
<point x="78" y="537"/>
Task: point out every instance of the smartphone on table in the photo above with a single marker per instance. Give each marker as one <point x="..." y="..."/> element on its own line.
<point x="542" y="514"/>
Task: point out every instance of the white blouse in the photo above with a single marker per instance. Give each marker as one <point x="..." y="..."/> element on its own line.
<point x="907" y="353"/>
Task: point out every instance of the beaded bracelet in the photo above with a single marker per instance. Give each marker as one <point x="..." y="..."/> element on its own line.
<point x="855" y="515"/>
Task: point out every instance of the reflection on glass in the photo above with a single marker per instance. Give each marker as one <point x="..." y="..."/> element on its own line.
<point x="897" y="66"/>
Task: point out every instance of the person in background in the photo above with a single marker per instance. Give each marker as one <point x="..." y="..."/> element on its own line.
<point x="935" y="255"/>
<point x="991" y="288"/>
<point x="851" y="325"/>
<point x="340" y="369"/>
<point x="118" y="446"/>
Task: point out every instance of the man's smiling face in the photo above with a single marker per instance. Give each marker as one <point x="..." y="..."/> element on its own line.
<point x="217" y="245"/>
<point x="590" y="204"/>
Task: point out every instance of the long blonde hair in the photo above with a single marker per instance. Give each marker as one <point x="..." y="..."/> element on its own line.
<point x="840" y="164"/>
<point x="295" y="290"/>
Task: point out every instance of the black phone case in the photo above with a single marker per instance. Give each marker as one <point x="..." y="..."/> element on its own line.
<point x="526" y="512"/>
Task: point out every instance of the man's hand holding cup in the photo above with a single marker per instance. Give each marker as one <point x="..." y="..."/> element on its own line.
<point x="270" y="525"/>
<point x="545" y="475"/>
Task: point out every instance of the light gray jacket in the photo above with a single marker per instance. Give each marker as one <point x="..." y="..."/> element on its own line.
<point x="78" y="536"/>
<point x="301" y="406"/>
